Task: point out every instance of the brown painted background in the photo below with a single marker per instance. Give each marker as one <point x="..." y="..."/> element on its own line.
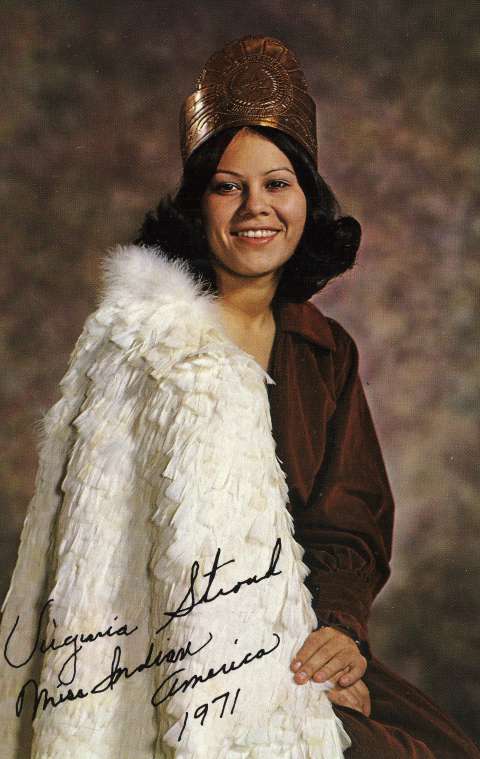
<point x="90" y="99"/>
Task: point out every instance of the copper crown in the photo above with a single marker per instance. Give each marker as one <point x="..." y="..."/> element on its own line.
<point x="251" y="81"/>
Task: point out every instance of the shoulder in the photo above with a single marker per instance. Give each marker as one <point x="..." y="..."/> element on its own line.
<point x="308" y="320"/>
<point x="325" y="336"/>
<point x="345" y="354"/>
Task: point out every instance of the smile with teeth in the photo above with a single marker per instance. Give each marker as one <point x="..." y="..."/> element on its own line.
<point x="257" y="233"/>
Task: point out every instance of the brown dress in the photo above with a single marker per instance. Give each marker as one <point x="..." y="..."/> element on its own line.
<point x="342" y="507"/>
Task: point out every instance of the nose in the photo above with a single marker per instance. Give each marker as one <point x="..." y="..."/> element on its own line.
<point x="255" y="201"/>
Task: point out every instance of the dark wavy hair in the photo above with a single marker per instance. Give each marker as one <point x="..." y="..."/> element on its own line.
<point x="327" y="248"/>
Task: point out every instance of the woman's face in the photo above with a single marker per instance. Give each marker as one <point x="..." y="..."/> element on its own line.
<point x="253" y="209"/>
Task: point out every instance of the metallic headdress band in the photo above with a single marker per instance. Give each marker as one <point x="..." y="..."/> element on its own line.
<point x="252" y="81"/>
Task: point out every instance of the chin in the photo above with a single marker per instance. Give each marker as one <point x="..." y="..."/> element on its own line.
<point x="240" y="270"/>
<point x="254" y="273"/>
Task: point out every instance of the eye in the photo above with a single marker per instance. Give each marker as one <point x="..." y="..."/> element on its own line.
<point x="225" y="187"/>
<point x="277" y="184"/>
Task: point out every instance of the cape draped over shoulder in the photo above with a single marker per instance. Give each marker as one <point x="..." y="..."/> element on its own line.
<point x="158" y="454"/>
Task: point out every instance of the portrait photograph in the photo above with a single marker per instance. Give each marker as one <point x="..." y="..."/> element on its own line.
<point x="240" y="389"/>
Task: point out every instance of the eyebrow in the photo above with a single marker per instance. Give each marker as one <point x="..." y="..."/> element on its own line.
<point x="236" y="173"/>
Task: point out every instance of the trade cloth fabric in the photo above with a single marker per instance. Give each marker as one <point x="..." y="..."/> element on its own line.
<point x="342" y="508"/>
<point x="159" y="596"/>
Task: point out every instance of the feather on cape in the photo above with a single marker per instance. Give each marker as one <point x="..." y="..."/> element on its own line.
<point x="158" y="454"/>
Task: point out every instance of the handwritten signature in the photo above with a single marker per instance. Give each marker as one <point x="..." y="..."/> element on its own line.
<point x="182" y="612"/>
<point x="169" y="686"/>
<point x="69" y="640"/>
<point x="42" y="697"/>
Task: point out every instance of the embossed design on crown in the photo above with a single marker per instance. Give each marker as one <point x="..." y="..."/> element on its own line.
<point x="255" y="80"/>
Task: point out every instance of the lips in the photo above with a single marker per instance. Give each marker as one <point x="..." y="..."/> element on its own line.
<point x="253" y="233"/>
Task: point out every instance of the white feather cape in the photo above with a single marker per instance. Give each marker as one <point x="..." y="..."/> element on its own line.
<point x="158" y="453"/>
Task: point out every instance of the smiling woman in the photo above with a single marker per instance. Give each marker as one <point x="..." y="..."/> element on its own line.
<point x="254" y="213"/>
<point x="327" y="245"/>
<point x="210" y="406"/>
<point x="254" y="209"/>
<point x="269" y="236"/>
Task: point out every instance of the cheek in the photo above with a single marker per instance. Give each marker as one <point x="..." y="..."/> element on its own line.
<point x="296" y="213"/>
<point x="215" y="218"/>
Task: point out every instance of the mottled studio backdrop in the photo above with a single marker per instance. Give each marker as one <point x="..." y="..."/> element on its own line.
<point x="89" y="110"/>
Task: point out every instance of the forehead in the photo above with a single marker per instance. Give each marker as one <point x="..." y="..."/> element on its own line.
<point x="250" y="152"/>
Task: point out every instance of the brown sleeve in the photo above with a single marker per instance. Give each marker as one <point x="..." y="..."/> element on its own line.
<point x="346" y="529"/>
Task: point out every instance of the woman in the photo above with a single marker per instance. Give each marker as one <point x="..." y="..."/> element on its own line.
<point x="163" y="431"/>
<point x="260" y="178"/>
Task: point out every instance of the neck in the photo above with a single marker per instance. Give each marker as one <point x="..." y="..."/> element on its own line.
<point x="247" y="299"/>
